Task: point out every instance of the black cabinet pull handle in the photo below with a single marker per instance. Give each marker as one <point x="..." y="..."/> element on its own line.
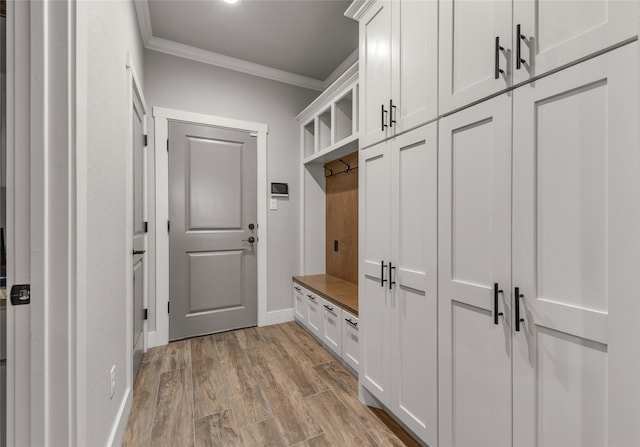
<point x="351" y="322"/>
<point x="496" y="292"/>
<point x="497" y="69"/>
<point x="312" y="297"/>
<point x="138" y="252"/>
<point x="519" y="39"/>
<point x="517" y="296"/>
<point x="297" y="288"/>
<point x="391" y="109"/>
<point x="382" y="280"/>
<point x="382" y="117"/>
<point x="391" y="281"/>
<point x="329" y="308"/>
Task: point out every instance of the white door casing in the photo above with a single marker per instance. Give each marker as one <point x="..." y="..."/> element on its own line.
<point x="576" y="254"/>
<point x="474" y="249"/>
<point x="161" y="119"/>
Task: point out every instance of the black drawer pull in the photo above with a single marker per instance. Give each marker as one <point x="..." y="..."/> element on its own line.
<point x="497" y="68"/>
<point x="312" y="297"/>
<point x="329" y="308"/>
<point x="496" y="292"/>
<point x="351" y="322"/>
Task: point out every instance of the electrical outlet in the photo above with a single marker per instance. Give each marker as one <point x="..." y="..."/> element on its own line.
<point x="113" y="381"/>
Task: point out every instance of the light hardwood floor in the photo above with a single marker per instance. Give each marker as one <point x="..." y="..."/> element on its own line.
<point x="270" y="386"/>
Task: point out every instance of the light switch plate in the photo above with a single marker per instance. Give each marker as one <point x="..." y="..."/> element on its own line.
<point x="273" y="204"/>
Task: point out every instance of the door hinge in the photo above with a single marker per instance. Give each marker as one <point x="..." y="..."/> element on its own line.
<point x="168" y="302"/>
<point x="167" y="145"/>
<point x="20" y="294"/>
<point x="144" y="140"/>
<point x="146" y="227"/>
<point x="168" y="226"/>
<point x="145" y="314"/>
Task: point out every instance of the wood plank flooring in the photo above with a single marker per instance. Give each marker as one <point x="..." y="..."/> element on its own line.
<point x="271" y="386"/>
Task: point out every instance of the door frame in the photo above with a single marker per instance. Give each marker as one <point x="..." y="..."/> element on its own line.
<point x="135" y="88"/>
<point x="161" y="118"/>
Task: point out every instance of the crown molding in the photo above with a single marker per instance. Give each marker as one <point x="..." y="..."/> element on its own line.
<point x="144" y="20"/>
<point x="231" y="63"/>
<point x="341" y="69"/>
<point x="356" y="10"/>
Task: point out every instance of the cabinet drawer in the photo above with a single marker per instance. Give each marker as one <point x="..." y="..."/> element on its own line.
<point x="332" y="326"/>
<point x="350" y="340"/>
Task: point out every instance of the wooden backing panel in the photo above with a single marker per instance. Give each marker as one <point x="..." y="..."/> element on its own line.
<point x="339" y="291"/>
<point x="247" y="338"/>
<point x="290" y="411"/>
<point x="244" y="393"/>
<point x="173" y="420"/>
<point x="342" y="220"/>
<point x="145" y="392"/>
<point x="307" y="344"/>
<point x="337" y="422"/>
<point x="217" y="430"/>
<point x="262" y="434"/>
<point x="345" y="387"/>
<point x="209" y="386"/>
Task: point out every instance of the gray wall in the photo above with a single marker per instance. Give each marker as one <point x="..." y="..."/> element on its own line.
<point x="196" y="87"/>
<point x="112" y="31"/>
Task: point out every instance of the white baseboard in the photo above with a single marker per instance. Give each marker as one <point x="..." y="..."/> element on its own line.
<point x="278" y="316"/>
<point x="117" y="432"/>
<point x="156" y="339"/>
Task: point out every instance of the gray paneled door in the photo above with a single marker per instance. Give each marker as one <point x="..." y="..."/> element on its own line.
<point x="139" y="231"/>
<point x="213" y="234"/>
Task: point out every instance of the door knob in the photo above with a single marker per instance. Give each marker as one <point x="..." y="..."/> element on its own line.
<point x="252" y="226"/>
<point x="251" y="240"/>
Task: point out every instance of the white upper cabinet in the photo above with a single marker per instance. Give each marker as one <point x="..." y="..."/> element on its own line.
<point x="375" y="73"/>
<point x="484" y="51"/>
<point x="555" y="33"/>
<point x="475" y="39"/>
<point x="398" y="67"/>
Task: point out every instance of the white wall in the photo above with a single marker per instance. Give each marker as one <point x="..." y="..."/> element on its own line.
<point x="195" y="87"/>
<point x="112" y="32"/>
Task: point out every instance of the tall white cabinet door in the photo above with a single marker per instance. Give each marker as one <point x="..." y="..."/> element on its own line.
<point x="375" y="73"/>
<point x="474" y="246"/>
<point x="576" y="257"/>
<point x="374" y="305"/>
<point x="415" y="62"/>
<point x="468" y="31"/>
<point x="559" y="32"/>
<point x="414" y="208"/>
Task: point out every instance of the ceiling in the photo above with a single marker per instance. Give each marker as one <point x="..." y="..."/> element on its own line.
<point x="310" y="39"/>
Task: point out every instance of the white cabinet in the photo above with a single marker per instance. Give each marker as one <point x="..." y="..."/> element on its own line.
<point x="300" y="303"/>
<point x="483" y="50"/>
<point x="314" y="314"/>
<point x="350" y="340"/>
<point x="475" y="215"/>
<point x="576" y="221"/>
<point x="332" y="326"/>
<point x="398" y="301"/>
<point x="538" y="242"/>
<point x="398" y="67"/>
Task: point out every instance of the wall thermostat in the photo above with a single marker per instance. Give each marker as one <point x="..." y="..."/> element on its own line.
<point x="279" y="190"/>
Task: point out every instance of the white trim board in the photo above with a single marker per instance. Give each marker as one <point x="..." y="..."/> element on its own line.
<point x="161" y="117"/>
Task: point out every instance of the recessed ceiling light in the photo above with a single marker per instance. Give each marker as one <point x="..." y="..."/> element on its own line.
<point x="231" y="2"/>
